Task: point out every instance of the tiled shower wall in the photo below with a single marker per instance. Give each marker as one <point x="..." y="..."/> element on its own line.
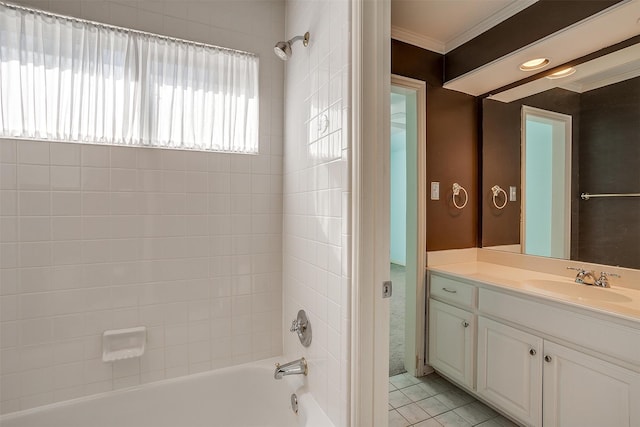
<point x="185" y="243"/>
<point x="317" y="236"/>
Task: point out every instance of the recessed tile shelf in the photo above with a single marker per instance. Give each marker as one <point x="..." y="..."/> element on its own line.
<point x="122" y="344"/>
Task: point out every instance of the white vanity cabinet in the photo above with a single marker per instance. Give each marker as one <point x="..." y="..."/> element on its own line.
<point x="580" y="390"/>
<point x="541" y="363"/>
<point x="451" y="341"/>
<point x="510" y="370"/>
<point x="542" y="383"/>
<point x="452" y="329"/>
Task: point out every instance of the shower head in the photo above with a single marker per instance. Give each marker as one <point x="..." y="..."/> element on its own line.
<point x="283" y="49"/>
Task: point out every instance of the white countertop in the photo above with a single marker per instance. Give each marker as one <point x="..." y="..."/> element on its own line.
<point x="617" y="301"/>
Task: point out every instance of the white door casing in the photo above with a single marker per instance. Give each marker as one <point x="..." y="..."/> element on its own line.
<point x="415" y="312"/>
<point x="370" y="87"/>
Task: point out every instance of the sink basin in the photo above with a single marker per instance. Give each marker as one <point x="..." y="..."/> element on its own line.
<point x="577" y="291"/>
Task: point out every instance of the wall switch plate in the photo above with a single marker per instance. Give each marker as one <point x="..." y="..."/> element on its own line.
<point x="435" y="190"/>
<point x="512" y="194"/>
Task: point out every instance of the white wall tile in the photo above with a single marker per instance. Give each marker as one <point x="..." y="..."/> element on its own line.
<point x="65" y="203"/>
<point x="317" y="246"/>
<point x="9" y="205"/>
<point x="94" y="155"/>
<point x="33" y="177"/>
<point x="65" y="154"/>
<point x="8" y="176"/>
<point x="65" y="177"/>
<point x="8" y="151"/>
<point x="100" y="237"/>
<point x="33" y="152"/>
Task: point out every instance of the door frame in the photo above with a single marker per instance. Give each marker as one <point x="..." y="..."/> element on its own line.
<point x="417" y="345"/>
<point x="370" y="137"/>
<point x="567" y="120"/>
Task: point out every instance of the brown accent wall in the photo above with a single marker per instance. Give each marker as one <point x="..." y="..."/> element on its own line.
<point x="452" y="156"/>
<point x="500" y="166"/>
<point x="452" y="148"/>
<point x="609" y="228"/>
<point x="420" y="64"/>
<point x="501" y="160"/>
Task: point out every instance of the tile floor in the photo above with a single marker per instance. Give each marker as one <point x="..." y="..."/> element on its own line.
<point x="432" y="401"/>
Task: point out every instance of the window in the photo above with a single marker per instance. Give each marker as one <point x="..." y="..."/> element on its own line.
<point x="65" y="79"/>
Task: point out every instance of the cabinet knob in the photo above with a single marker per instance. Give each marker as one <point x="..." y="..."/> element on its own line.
<point x="465" y="323"/>
<point x="547" y="358"/>
<point x="532" y="351"/>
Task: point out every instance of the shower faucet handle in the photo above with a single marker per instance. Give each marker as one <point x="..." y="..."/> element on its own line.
<point x="302" y="327"/>
<point x="296" y="326"/>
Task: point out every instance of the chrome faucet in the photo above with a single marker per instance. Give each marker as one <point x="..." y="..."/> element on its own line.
<point x="297" y="367"/>
<point x="603" y="280"/>
<point x="588" y="277"/>
<point x="585" y="277"/>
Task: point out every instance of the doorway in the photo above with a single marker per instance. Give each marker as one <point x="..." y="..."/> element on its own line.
<point x="546" y="183"/>
<point x="407" y="226"/>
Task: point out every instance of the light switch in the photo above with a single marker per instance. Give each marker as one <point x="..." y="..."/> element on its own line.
<point x="435" y="190"/>
<point x="512" y="194"/>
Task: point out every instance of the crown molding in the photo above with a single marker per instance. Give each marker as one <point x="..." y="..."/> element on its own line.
<point x="492" y="21"/>
<point x="416" y="39"/>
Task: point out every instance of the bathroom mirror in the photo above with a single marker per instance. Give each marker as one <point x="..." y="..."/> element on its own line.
<point x="544" y="164"/>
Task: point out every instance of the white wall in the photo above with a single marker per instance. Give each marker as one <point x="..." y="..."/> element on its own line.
<point x="317" y="235"/>
<point x="188" y="244"/>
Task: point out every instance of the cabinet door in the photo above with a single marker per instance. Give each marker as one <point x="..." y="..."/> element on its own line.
<point x="451" y="341"/>
<point x="510" y="370"/>
<point x="580" y="390"/>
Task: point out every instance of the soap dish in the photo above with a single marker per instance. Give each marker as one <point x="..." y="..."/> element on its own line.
<point x="122" y="344"/>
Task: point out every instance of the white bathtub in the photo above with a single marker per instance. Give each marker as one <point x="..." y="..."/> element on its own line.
<point x="239" y="396"/>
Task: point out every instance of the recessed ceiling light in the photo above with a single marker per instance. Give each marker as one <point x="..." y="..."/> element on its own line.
<point x="534" y="64"/>
<point x="565" y="72"/>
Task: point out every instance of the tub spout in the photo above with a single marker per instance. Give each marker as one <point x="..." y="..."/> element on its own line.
<point x="297" y="367"/>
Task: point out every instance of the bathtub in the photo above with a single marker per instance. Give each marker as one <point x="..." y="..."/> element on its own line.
<point x="240" y="396"/>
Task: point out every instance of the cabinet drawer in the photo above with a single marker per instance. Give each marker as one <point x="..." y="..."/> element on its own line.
<point x="450" y="290"/>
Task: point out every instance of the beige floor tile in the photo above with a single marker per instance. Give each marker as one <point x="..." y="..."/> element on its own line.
<point x="498" y="421"/>
<point x="435" y="384"/>
<point x="397" y="420"/>
<point x="403" y="380"/>
<point x="434" y="406"/>
<point x="428" y="423"/>
<point x="413" y="413"/>
<point x="397" y="399"/>
<point x="476" y="412"/>
<point x="451" y="419"/>
<point x="455" y="398"/>
<point x="416" y="392"/>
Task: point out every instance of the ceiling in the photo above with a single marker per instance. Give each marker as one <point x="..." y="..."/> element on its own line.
<point x="443" y="25"/>
<point x="608" y="69"/>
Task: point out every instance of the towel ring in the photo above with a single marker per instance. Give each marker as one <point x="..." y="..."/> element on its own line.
<point x="496" y="190"/>
<point x="456" y="192"/>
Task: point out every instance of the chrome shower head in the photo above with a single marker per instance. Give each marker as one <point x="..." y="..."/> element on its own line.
<point x="283" y="49"/>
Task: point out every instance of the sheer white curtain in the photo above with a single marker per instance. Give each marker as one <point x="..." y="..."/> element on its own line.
<point x="72" y="80"/>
